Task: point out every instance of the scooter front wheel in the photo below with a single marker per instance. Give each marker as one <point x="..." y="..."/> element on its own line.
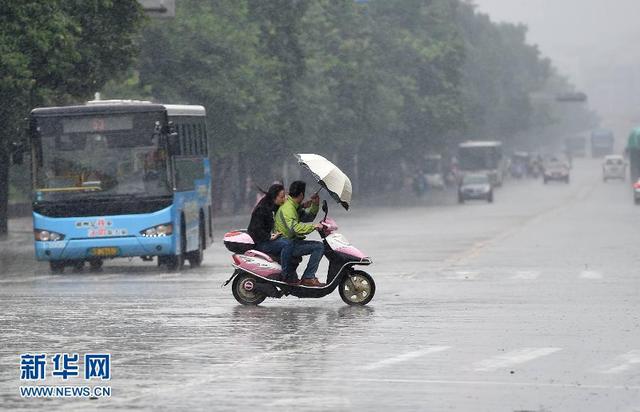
<point x="244" y="290"/>
<point x="357" y="288"/>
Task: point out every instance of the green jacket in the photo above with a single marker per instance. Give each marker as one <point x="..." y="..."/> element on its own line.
<point x="289" y="218"/>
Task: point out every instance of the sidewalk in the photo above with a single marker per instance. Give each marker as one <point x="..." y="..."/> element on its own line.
<point x="20" y="233"/>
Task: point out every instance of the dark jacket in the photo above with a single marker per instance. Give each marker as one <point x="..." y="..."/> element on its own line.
<point x="261" y="224"/>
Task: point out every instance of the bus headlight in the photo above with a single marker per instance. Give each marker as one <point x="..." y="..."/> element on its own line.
<point x="158" y="231"/>
<point x="47" y="236"/>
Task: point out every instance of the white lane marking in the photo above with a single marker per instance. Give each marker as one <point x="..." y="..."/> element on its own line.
<point x="515" y="357"/>
<point x="526" y="275"/>
<point x="626" y="362"/>
<point x="327" y="402"/>
<point x="28" y="280"/>
<point x="405" y="357"/>
<point x="590" y="274"/>
<point x="463" y="275"/>
<point x="410" y="275"/>
<point x="444" y="382"/>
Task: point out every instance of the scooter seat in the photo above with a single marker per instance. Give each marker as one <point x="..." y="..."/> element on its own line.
<point x="257" y="253"/>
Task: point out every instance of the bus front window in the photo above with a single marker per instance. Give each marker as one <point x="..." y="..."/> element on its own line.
<point x="124" y="159"/>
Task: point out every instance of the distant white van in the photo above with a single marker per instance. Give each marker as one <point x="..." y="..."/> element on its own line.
<point x="614" y="167"/>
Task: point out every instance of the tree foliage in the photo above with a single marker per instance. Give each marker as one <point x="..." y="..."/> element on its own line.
<point x="373" y="85"/>
<point x="54" y="52"/>
<point x="500" y="73"/>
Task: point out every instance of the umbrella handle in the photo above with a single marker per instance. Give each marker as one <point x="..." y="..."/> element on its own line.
<point x="325" y="208"/>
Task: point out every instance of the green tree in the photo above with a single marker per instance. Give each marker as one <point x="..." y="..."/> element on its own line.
<point x="280" y="23"/>
<point x="56" y="52"/>
<point x="348" y="105"/>
<point x="501" y="72"/>
<point x="425" y="51"/>
<point x="211" y="54"/>
<point x="373" y="85"/>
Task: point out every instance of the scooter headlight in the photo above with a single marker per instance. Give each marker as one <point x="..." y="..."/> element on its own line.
<point x="165" y="229"/>
<point x="47" y="236"/>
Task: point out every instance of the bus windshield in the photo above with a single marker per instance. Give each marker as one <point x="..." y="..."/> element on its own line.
<point x="100" y="155"/>
<point x="479" y="158"/>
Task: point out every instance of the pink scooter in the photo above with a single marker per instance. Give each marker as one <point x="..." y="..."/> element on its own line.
<point x="257" y="275"/>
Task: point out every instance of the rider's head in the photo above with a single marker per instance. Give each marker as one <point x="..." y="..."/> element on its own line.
<point x="276" y="194"/>
<point x="273" y="197"/>
<point x="297" y="189"/>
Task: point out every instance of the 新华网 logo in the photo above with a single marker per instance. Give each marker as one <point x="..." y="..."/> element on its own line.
<point x="35" y="367"/>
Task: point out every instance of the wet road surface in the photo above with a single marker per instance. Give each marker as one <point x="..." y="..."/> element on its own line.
<point x="527" y="304"/>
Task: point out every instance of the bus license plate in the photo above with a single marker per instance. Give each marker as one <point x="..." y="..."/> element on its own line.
<point x="104" y="251"/>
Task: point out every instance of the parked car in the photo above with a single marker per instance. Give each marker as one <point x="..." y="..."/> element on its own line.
<point x="555" y="169"/>
<point x="475" y="186"/>
<point x="614" y="167"/>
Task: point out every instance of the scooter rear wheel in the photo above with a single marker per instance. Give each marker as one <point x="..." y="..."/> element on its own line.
<point x="357" y="288"/>
<point x="244" y="290"/>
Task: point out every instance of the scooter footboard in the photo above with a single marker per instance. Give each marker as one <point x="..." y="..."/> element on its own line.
<point x="268" y="289"/>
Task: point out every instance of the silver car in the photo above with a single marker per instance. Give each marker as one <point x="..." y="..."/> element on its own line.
<point x="475" y="186"/>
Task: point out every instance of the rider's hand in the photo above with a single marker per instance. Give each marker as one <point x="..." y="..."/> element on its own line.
<point x="274" y="236"/>
<point x="318" y="226"/>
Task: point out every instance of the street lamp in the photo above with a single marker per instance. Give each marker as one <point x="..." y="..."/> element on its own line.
<point x="571" y="97"/>
<point x="159" y="8"/>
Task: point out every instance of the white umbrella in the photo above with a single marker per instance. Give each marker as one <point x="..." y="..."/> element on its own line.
<point x="328" y="176"/>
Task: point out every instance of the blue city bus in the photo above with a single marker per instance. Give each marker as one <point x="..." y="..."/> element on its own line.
<point x="118" y="178"/>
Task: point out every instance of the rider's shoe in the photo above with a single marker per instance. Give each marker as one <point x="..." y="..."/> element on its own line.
<point x="314" y="282"/>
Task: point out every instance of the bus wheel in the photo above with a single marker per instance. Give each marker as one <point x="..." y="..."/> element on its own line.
<point x="195" y="257"/>
<point x="96" y="264"/>
<point x="56" y="266"/>
<point x="175" y="262"/>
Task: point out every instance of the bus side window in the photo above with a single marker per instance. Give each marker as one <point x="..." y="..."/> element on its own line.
<point x="194" y="136"/>
<point x="188" y="170"/>
<point x="180" y="138"/>
<point x="206" y="138"/>
<point x="203" y="140"/>
<point x="189" y="139"/>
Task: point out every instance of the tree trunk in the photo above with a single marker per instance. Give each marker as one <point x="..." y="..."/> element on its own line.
<point x="4" y="186"/>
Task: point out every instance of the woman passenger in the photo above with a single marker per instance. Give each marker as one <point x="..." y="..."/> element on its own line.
<point x="261" y="228"/>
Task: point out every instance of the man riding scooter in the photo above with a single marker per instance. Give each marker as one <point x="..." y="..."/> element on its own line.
<point x="289" y="222"/>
